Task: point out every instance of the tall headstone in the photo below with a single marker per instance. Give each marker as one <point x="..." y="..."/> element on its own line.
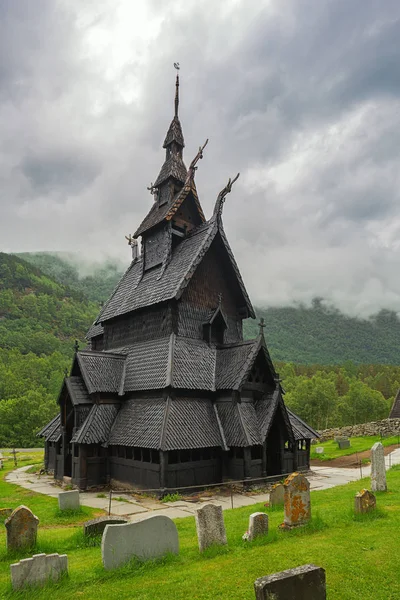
<point x="69" y="500"/>
<point x="21" y="528"/>
<point x="38" y="569"/>
<point x="297" y="501"/>
<point x="302" y="583"/>
<point x="378" y="469"/>
<point x="146" y="539"/>
<point x="210" y="526"/>
<point x="258" y="525"/>
<point x="364" y="502"/>
<point x="277" y="495"/>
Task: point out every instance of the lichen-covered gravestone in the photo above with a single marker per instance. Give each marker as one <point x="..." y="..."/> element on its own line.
<point x="302" y="583"/>
<point x="297" y="501"/>
<point x="146" y="539"/>
<point x="38" y="569"/>
<point x="277" y="495"/>
<point x="210" y="526"/>
<point x="97" y="526"/>
<point x="258" y="525"/>
<point x="69" y="500"/>
<point x="21" y="528"/>
<point x="364" y="502"/>
<point x="378" y="469"/>
<point x="5" y="512"/>
<point x="343" y="443"/>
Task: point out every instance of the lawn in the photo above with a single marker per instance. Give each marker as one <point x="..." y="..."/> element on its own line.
<point x="357" y="444"/>
<point x="360" y="555"/>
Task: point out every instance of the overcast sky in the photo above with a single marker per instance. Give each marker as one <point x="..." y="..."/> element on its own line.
<point x="301" y="97"/>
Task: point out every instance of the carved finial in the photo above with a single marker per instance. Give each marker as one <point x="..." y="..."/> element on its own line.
<point x="177" y="67"/>
<point x="152" y="189"/>
<point x="221" y="196"/>
<point x="220" y="299"/>
<point x="192" y="169"/>
<point x="76" y="346"/>
<point x="134" y="245"/>
<point x="261" y="325"/>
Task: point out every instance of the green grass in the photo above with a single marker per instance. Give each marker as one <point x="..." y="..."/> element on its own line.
<point x="171" y="497"/>
<point x="358" y="444"/>
<point x="360" y="554"/>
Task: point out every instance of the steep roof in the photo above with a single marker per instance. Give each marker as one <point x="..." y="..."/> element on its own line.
<point x="52" y="431"/>
<point x="77" y="390"/>
<point x="395" y="412"/>
<point x="97" y="426"/>
<point x="137" y="290"/>
<point x="174" y="133"/>
<point x="159" y="213"/>
<point x="102" y="371"/>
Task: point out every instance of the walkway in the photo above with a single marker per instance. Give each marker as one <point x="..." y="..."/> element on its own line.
<point x="321" y="478"/>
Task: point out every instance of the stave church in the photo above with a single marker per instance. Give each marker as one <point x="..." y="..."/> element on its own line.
<point x="168" y="394"/>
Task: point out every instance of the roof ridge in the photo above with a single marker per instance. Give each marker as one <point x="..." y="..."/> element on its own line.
<point x="248" y="362"/>
<point x="132" y="264"/>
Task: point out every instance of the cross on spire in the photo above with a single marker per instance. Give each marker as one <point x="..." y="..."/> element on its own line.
<point x="261" y="325"/>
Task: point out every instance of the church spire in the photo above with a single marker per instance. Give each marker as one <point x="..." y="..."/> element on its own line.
<point x="177" y="95"/>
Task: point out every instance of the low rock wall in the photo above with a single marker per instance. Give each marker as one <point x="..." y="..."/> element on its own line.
<point x="385" y="428"/>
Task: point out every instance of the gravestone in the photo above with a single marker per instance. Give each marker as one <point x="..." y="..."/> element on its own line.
<point x="210" y="526"/>
<point x="343" y="444"/>
<point x="302" y="583"/>
<point x="297" y="506"/>
<point x="69" y="500"/>
<point x="97" y="526"/>
<point x="319" y="450"/>
<point x="277" y="495"/>
<point x="38" y="569"/>
<point x="21" y="528"/>
<point x="378" y="469"/>
<point x="145" y="539"/>
<point x="364" y="502"/>
<point x="258" y="525"/>
<point x="5" y="512"/>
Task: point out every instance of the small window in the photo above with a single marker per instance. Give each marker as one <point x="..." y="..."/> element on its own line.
<point x="145" y="455"/>
<point x="129" y="453"/>
<point x="173" y="457"/>
<point x="114" y="451"/>
<point x="76" y="450"/>
<point x="196" y="455"/>
<point x="121" y="451"/>
<point x="137" y="454"/>
<point x="239" y="453"/>
<point x="256" y="452"/>
<point x="185" y="456"/>
<point x="155" y="457"/>
<point x="206" y="454"/>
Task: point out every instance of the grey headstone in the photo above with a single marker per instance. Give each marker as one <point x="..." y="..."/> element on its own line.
<point x="145" y="539"/>
<point x="378" y="469"/>
<point x="258" y="525"/>
<point x="38" y="569"/>
<point x="302" y="583"/>
<point x="343" y="444"/>
<point x="364" y="502"/>
<point x="21" y="528"/>
<point x="97" y="526"/>
<point x="210" y="526"/>
<point x="69" y="500"/>
<point x="277" y="495"/>
<point x="297" y="501"/>
<point x="319" y="450"/>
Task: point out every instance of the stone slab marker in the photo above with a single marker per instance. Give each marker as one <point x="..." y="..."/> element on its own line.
<point x="5" y="512"/>
<point x="145" y="539"/>
<point x="297" y="501"/>
<point x="364" y="502"/>
<point x="258" y="525"/>
<point x="21" y="528"/>
<point x="69" y="500"/>
<point x="97" y="526"/>
<point x="302" y="583"/>
<point x="210" y="526"/>
<point x="38" y="569"/>
<point x="277" y="495"/>
<point x="378" y="469"/>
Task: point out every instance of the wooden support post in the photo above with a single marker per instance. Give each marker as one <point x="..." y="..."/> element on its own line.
<point x="247" y="463"/>
<point x="163" y="469"/>
<point x="264" y="459"/>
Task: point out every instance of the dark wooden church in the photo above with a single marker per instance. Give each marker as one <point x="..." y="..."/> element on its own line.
<point x="168" y="393"/>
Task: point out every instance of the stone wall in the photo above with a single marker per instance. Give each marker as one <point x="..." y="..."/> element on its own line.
<point x="385" y="428"/>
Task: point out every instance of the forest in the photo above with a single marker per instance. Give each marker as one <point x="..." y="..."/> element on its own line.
<point x="335" y="370"/>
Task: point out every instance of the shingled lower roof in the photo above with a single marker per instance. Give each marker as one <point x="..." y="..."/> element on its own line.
<point x="395" y="412"/>
<point x="137" y="290"/>
<point x="52" y="431"/>
<point x="77" y="390"/>
<point x="97" y="426"/>
<point x="102" y="371"/>
<point x="301" y="430"/>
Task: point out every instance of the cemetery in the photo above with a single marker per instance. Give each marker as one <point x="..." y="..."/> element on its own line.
<point x="207" y="555"/>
